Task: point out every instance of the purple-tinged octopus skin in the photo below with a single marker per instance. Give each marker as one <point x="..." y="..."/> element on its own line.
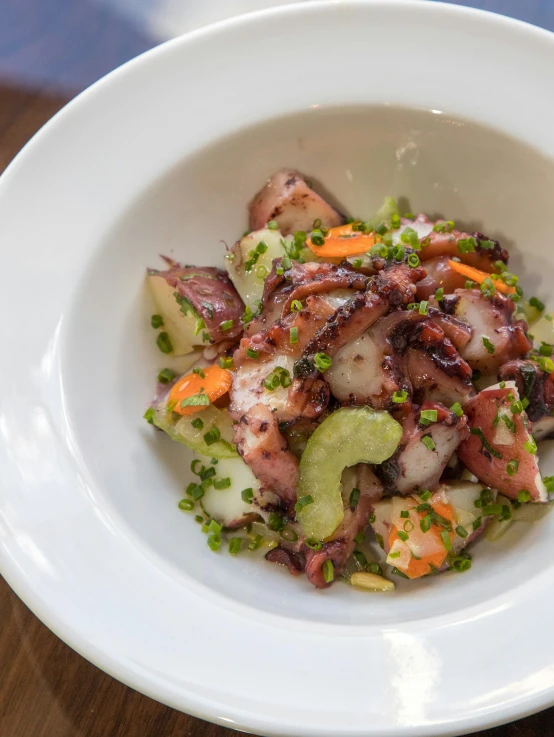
<point x="414" y="465"/>
<point x="211" y="293"/>
<point x="287" y="198"/>
<point x="497" y="336"/>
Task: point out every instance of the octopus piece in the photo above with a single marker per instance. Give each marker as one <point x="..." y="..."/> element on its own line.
<point x="436" y="244"/>
<point x="287" y="198"/>
<point x="537" y="386"/>
<point x="497" y="336"/>
<point x="371" y="368"/>
<point x="210" y="293"/>
<point x="416" y="465"/>
<point x="367" y="370"/>
<point x="335" y="283"/>
<point x="294" y="561"/>
<point x="439" y="275"/>
<point x="342" y="543"/>
<point x="435" y="368"/>
<point x="263" y="448"/>
<point x="500" y="450"/>
<point x="392" y="287"/>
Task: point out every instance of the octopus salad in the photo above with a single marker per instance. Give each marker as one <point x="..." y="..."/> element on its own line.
<point x="363" y="398"/>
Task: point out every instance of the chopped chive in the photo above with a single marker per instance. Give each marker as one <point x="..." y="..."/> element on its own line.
<point x="166" y="375"/>
<point x="303" y="502"/>
<point x="197" y="423"/>
<point x="288" y="534"/>
<point x="477" y="523"/>
<point x="403" y="535"/>
<point x="428" y="442"/>
<point x="404" y="514"/>
<point x="293" y="335"/>
<point x="251" y="353"/>
<point x="149" y="416"/>
<point x="186" y="504"/>
<point x="484" y="442"/>
<point x="212" y="436"/>
<point x="531" y="446"/>
<point x="313" y="544"/>
<point x="469" y="284"/>
<point x="425" y="495"/>
<point x="523" y="496"/>
<point x="446" y="541"/>
<point x="511" y="467"/>
<point x="235" y="545"/>
<point x="395" y="555"/>
<point x="273" y="225"/>
<point x="214" y="542"/>
<point x="222" y="483"/>
<point x="357" y="263"/>
<point x="546" y="364"/>
<point x="225" y="363"/>
<point x="226" y="325"/>
<point x="156" y="321"/>
<point x="198" y="370"/>
<point x="425" y="523"/>
<point x="354" y="498"/>
<point x="360" y="537"/>
<point x="488" y="345"/>
<point x="372" y="516"/>
<point x="380" y="540"/>
<point x="536" y="303"/>
<point x="317" y="238"/>
<point x="549" y="483"/>
<point x="275" y="522"/>
<point x="164" y="343"/>
<point x="427" y="416"/>
<point x="328" y="571"/>
<point x="423" y="305"/>
<point x="461" y="531"/>
<point x="399" y="397"/>
<point x="398" y="253"/>
<point x="295" y="305"/>
<point x="439" y="294"/>
<point x="408" y="525"/>
<point x="457" y="409"/>
<point x="360" y="558"/>
<point x="256" y="542"/>
<point x="247" y="495"/>
<point x="321" y="360"/>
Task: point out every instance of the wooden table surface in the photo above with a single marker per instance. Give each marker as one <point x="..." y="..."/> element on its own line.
<point x="49" y="50"/>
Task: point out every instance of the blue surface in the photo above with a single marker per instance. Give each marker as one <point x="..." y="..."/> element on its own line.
<point x="538" y="12"/>
<point x="65" y="45"/>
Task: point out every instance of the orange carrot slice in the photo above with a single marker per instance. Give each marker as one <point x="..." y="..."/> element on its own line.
<point x="342" y="241"/>
<point x="479" y="276"/>
<point x="195" y="392"/>
<point x="418" y="567"/>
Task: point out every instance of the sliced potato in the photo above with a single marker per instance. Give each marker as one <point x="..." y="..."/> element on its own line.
<point x="226" y="505"/>
<point x="180" y="328"/>
<point x="247" y="267"/>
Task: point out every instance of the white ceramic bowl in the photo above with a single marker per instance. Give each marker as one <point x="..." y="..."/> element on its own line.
<point x="446" y="107"/>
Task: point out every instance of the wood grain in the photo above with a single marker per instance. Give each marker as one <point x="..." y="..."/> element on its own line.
<point x="47" y="690"/>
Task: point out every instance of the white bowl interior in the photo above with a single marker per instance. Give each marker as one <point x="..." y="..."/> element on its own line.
<point x="431" y="162"/>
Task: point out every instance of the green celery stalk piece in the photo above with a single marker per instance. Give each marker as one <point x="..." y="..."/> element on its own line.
<point x="349" y="436"/>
